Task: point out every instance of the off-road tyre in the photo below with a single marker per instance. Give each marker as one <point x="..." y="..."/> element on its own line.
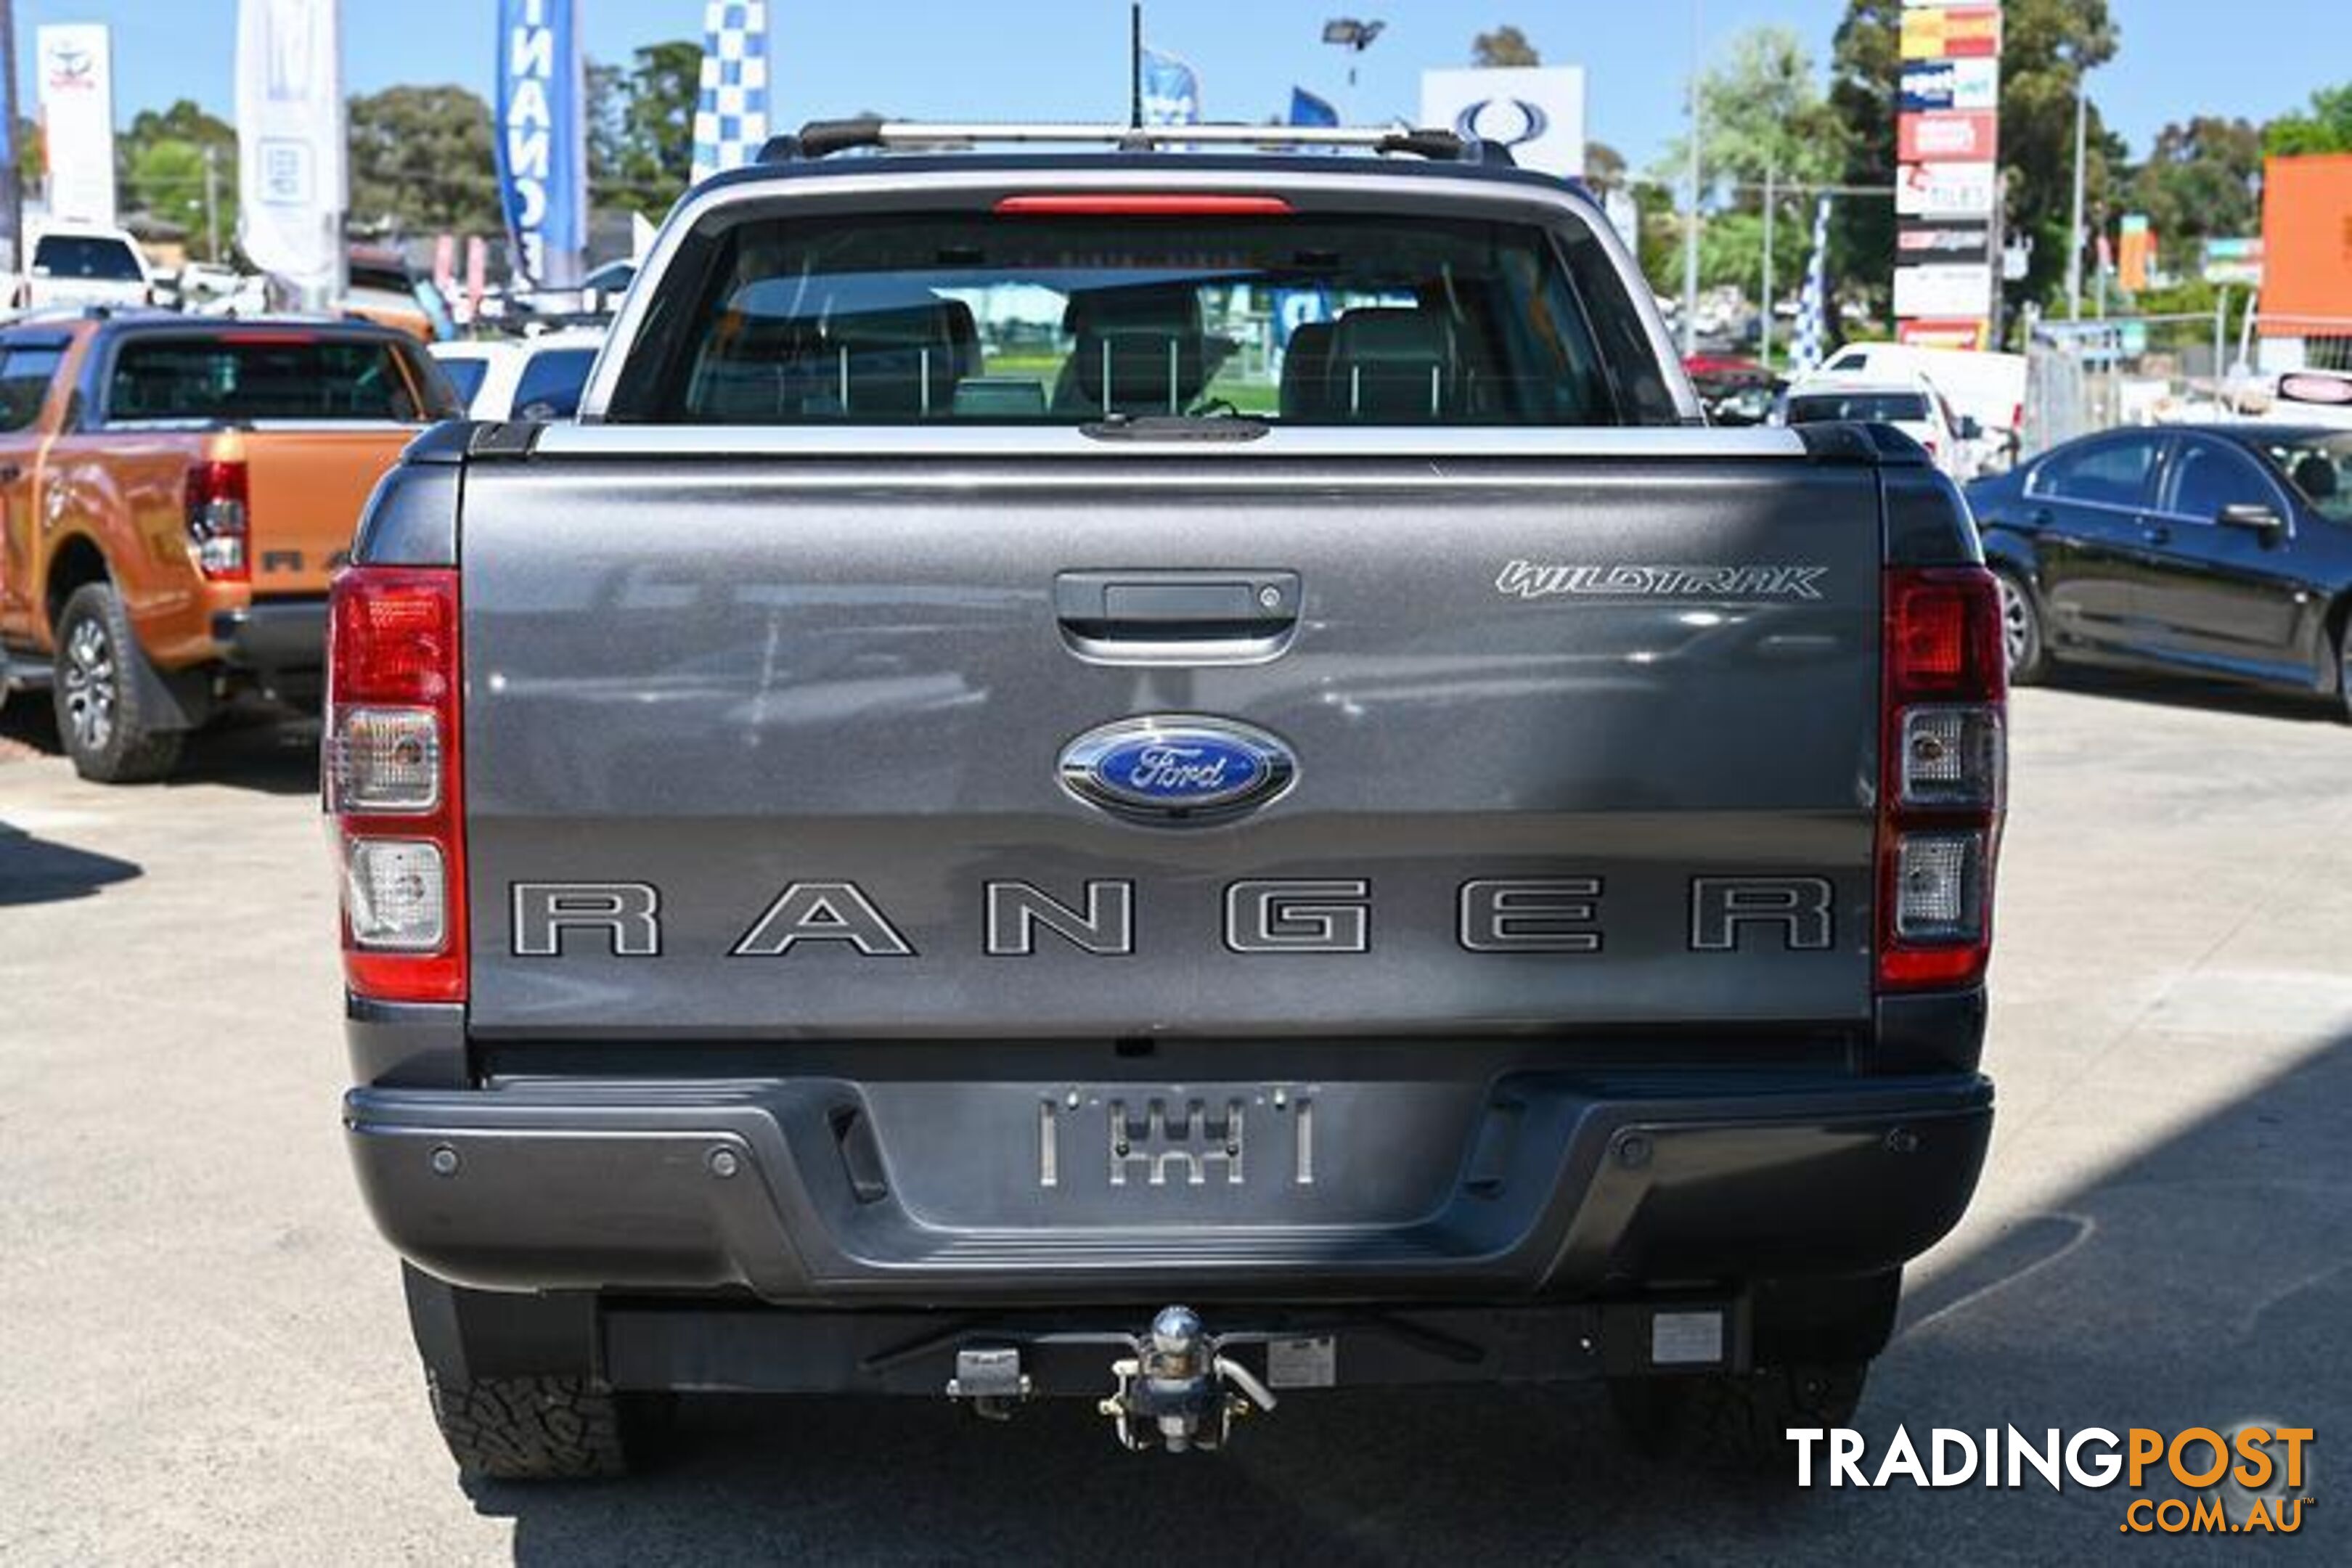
<point x="544" y="1429"/>
<point x="2021" y="642"/>
<point x="1735" y="1421"/>
<point x="101" y="721"/>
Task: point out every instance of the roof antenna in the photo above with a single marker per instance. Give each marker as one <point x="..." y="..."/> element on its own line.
<point x="1135" y="64"/>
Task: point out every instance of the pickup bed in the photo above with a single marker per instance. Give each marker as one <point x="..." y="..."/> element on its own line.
<point x="174" y="493"/>
<point x="1164" y="777"/>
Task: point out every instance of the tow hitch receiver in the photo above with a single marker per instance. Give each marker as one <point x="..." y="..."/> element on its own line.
<point x="1177" y="1391"/>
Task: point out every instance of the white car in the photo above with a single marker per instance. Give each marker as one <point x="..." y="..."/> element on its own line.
<point x="1911" y="403"/>
<point x="84" y="264"/>
<point x="522" y="378"/>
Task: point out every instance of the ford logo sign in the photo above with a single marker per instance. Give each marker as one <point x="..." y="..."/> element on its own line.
<point x="1177" y="768"/>
<point x="1504" y="122"/>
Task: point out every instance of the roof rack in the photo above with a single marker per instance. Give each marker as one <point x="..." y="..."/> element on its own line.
<point x="822" y="138"/>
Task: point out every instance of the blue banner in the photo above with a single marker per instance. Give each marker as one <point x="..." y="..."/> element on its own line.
<point x="1171" y="90"/>
<point x="539" y="133"/>
<point x="1305" y="109"/>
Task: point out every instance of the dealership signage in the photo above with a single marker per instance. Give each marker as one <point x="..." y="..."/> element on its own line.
<point x="75" y="78"/>
<point x="1537" y="112"/>
<point x="1932" y="85"/>
<point x="1947" y="185"/>
<point x="540" y="138"/>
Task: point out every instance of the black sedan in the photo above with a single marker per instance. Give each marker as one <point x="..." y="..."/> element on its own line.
<point x="2210" y="549"/>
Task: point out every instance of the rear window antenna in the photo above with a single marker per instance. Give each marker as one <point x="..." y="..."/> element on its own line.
<point x="1135" y="64"/>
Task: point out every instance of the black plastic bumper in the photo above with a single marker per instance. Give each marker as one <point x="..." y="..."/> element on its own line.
<point x="275" y="636"/>
<point x="1539" y="1184"/>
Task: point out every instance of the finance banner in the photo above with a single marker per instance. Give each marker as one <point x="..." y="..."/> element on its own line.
<point x="539" y="132"/>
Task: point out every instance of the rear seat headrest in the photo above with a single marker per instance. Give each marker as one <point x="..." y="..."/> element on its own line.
<point x="1148" y="342"/>
<point x="1392" y="361"/>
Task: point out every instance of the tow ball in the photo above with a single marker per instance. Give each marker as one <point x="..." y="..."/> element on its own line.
<point x="1176" y="1392"/>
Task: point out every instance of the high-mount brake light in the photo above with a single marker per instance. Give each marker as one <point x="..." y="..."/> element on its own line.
<point x="219" y="522"/>
<point x="1142" y="203"/>
<point x="393" y="776"/>
<point x="1943" y="776"/>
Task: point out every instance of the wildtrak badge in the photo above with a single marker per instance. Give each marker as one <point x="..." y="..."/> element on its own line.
<point x="1542" y="580"/>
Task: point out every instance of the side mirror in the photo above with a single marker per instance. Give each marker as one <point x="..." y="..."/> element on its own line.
<point x="1968" y="429"/>
<point x="2255" y="517"/>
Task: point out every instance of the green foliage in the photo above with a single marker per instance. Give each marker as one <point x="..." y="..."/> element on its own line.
<point x="2201" y="178"/>
<point x="160" y="164"/>
<point x="1763" y="113"/>
<point x="421" y="162"/>
<point x="644" y="154"/>
<point x="1765" y="118"/>
<point x="1506" y="45"/>
<point x="2327" y="128"/>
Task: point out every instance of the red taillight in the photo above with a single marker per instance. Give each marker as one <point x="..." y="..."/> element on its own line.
<point x="393" y="782"/>
<point x="1142" y="203"/>
<point x="219" y="526"/>
<point x="1942" y="776"/>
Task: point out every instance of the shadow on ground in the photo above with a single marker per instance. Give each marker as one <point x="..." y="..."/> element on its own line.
<point x="38" y="872"/>
<point x="2195" y="692"/>
<point x="252" y="746"/>
<point x="2203" y="1282"/>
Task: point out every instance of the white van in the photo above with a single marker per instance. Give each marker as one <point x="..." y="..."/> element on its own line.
<point x="1988" y="388"/>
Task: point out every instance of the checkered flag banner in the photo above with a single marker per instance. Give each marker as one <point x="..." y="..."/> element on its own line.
<point x="731" y="115"/>
<point x="1813" y="304"/>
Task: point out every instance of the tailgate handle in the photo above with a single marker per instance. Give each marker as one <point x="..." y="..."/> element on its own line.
<point x="1208" y="615"/>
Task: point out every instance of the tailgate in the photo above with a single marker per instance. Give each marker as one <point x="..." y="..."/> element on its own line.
<point x="1578" y="742"/>
<point x="306" y="488"/>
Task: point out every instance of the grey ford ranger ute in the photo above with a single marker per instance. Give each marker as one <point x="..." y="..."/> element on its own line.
<point x="1170" y="775"/>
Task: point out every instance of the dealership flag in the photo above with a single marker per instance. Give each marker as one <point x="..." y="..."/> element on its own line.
<point x="539" y="131"/>
<point x="1305" y="109"/>
<point x="290" y="141"/>
<point x="1171" y="90"/>
<point x="75" y="78"/>
<point x="1813" y="304"/>
<point x="731" y="112"/>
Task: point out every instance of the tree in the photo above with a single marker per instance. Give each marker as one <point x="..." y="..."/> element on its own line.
<point x="421" y="162"/>
<point x="1764" y="120"/>
<point x="1604" y="167"/>
<point x="1505" y="47"/>
<point x="2201" y="179"/>
<point x="649" y="157"/>
<point x="161" y="164"/>
<point x="2327" y="128"/>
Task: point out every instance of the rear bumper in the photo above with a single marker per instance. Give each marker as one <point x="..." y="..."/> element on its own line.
<point x="275" y="636"/>
<point x="1537" y="1184"/>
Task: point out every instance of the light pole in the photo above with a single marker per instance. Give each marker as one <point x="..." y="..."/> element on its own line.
<point x="1355" y="36"/>
<point x="1690" y="216"/>
<point x="2074" y="230"/>
<point x="1764" y="343"/>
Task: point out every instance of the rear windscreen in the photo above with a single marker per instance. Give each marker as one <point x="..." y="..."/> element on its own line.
<point x="86" y="255"/>
<point x="991" y="317"/>
<point x="1882" y="407"/>
<point x="271" y="376"/>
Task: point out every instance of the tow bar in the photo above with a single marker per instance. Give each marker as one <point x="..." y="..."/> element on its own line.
<point x="1176" y="1392"/>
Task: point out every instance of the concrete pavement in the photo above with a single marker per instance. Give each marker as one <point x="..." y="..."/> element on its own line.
<point x="204" y="1358"/>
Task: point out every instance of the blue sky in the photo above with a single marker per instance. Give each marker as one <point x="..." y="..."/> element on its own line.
<point x="1063" y="59"/>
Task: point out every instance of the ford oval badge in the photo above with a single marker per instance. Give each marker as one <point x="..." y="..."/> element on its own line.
<point x="1177" y="768"/>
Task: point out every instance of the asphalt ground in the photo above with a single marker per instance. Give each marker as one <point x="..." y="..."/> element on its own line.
<point x="202" y="1356"/>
